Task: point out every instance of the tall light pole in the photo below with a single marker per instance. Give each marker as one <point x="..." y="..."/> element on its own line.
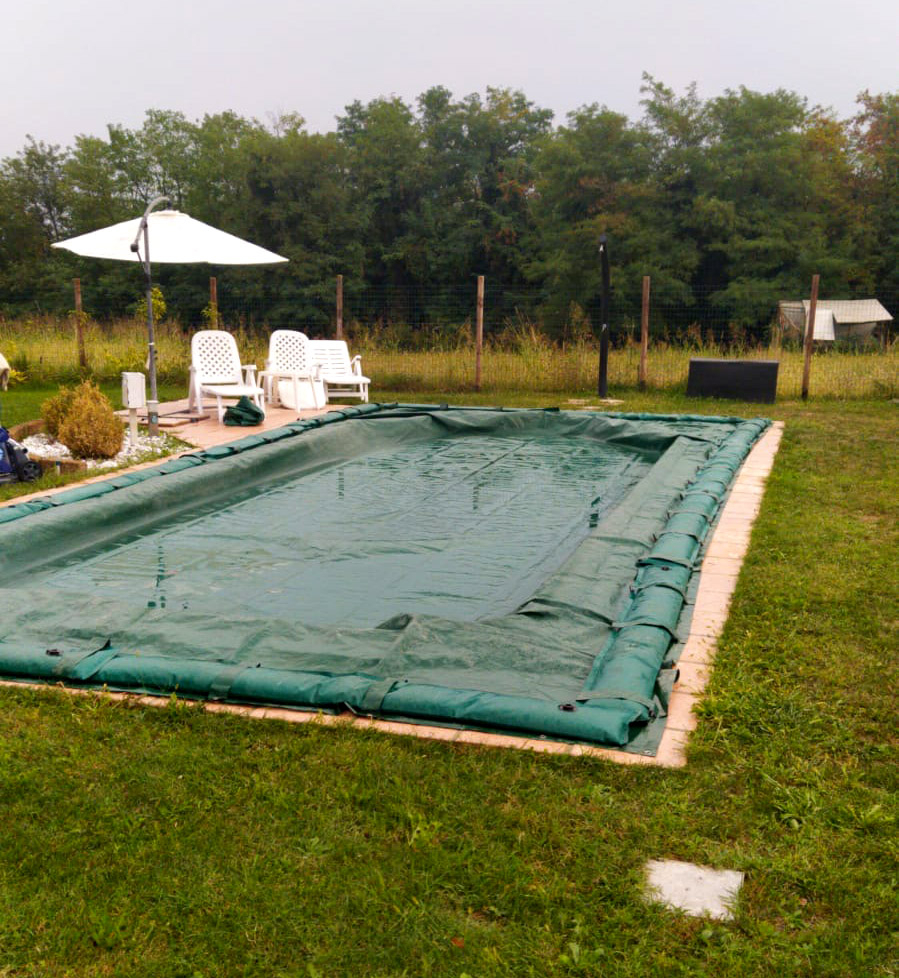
<point x="153" y="401"/>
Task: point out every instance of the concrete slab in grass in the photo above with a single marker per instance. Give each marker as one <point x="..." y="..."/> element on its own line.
<point x="697" y="890"/>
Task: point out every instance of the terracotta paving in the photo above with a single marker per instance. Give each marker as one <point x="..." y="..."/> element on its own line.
<point x="205" y="430"/>
<point x="720" y="570"/>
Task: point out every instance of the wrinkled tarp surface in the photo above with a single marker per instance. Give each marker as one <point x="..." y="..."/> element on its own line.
<point x="509" y="569"/>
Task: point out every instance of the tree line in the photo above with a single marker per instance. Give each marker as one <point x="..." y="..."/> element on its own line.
<point x="729" y="203"/>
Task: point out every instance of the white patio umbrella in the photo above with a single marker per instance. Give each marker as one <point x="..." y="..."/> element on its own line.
<point x="177" y="238"/>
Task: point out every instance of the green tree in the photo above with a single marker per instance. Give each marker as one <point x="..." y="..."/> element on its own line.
<point x="385" y="159"/>
<point x="596" y="177"/>
<point x="475" y="213"/>
<point x="298" y="201"/>
<point x="875" y="143"/>
<point x="34" y="212"/>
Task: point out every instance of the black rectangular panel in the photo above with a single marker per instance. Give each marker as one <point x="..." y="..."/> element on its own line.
<point x="746" y="380"/>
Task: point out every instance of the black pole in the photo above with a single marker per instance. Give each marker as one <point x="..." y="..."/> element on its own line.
<point x="603" y="384"/>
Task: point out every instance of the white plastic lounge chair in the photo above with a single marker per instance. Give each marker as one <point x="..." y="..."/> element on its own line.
<point x="216" y="370"/>
<point x="290" y="376"/>
<point x="341" y="376"/>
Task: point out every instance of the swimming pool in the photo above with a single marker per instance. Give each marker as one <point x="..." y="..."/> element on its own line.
<point x="501" y="569"/>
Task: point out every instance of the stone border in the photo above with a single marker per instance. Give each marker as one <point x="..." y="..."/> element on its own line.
<point x="718" y="579"/>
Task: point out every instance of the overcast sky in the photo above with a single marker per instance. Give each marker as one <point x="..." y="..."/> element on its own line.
<point x="72" y="67"/>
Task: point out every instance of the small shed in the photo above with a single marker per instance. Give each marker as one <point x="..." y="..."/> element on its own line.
<point x="835" y="319"/>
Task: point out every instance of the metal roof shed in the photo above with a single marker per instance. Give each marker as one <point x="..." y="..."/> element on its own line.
<point x="835" y="319"/>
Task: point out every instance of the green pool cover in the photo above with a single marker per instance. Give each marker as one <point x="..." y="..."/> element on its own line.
<point x="517" y="570"/>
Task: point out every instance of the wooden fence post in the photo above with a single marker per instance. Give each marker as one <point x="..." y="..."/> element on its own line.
<point x="79" y="324"/>
<point x="340" y="307"/>
<point x="479" y="334"/>
<point x="644" y="334"/>
<point x="809" y="337"/>
<point x="213" y="302"/>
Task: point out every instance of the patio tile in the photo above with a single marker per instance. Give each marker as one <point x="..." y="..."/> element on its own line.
<point x="720" y="565"/>
<point x="710" y="602"/>
<point x="288" y="716"/>
<point x="547" y="746"/>
<point x="734" y="549"/>
<point x="697" y="890"/>
<point x="616" y="756"/>
<point x="699" y="649"/>
<point x="483" y="739"/>
<point x="693" y="676"/>
<point x="672" y="750"/>
<point x="434" y="733"/>
<point x="747" y="494"/>
<point x="414" y="730"/>
<point x="739" y="515"/>
<point x="739" y="507"/>
<point x="717" y="582"/>
<point x="707" y="625"/>
<point x="680" y="710"/>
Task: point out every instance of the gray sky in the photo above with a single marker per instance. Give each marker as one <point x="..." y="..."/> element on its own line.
<point x="71" y="67"/>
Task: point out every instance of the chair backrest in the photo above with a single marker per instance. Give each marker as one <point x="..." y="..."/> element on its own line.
<point x="289" y="353"/>
<point x="332" y="356"/>
<point x="215" y="359"/>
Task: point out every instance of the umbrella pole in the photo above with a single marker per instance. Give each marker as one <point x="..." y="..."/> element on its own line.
<point x="153" y="401"/>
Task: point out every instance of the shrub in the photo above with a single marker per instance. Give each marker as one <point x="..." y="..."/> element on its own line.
<point x="159" y="306"/>
<point x="90" y="428"/>
<point x="55" y="408"/>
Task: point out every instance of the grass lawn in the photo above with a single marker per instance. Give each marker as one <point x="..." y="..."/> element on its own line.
<point x="145" y="842"/>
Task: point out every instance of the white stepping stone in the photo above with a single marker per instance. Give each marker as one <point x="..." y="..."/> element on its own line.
<point x="697" y="890"/>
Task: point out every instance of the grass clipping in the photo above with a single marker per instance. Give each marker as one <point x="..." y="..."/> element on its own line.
<point x="84" y="420"/>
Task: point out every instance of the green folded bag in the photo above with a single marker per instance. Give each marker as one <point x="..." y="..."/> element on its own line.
<point x="244" y="414"/>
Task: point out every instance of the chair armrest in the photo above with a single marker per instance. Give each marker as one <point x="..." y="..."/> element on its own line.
<point x="356" y="364"/>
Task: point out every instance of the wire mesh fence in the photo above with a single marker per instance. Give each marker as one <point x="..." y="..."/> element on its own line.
<point x="425" y="339"/>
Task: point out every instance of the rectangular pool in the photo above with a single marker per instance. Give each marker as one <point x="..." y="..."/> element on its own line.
<point x="501" y="569"/>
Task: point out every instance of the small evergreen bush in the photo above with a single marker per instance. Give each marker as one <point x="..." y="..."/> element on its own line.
<point x="55" y="408"/>
<point x="90" y="427"/>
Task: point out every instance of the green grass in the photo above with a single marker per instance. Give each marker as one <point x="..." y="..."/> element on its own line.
<point x="145" y="842"/>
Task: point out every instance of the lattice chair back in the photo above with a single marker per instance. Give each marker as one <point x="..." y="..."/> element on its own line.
<point x="289" y="353"/>
<point x="215" y="357"/>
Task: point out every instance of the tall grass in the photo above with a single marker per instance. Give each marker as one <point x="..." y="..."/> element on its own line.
<point x="520" y="358"/>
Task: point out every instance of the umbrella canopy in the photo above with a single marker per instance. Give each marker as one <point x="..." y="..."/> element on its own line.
<point x="174" y="238"/>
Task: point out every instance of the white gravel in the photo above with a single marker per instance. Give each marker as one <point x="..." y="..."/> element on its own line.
<point x="42" y="445"/>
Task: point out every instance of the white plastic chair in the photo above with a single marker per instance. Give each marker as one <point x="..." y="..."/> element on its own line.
<point x="341" y="376"/>
<point x="216" y="370"/>
<point x="289" y="365"/>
